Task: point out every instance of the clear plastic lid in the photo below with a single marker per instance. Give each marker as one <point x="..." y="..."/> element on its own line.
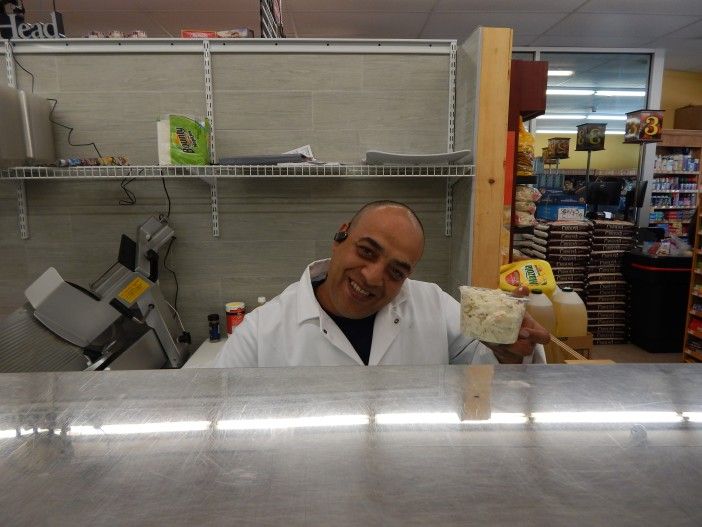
<point x="491" y="315"/>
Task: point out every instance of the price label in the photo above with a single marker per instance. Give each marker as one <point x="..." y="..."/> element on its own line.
<point x="571" y="213"/>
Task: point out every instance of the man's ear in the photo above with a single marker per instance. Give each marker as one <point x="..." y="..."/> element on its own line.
<point x="342" y="233"/>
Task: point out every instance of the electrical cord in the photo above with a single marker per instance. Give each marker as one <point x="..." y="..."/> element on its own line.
<point x="176" y="315"/>
<point x="70" y="129"/>
<point x="25" y="70"/>
<point x="168" y="197"/>
<point x="175" y="278"/>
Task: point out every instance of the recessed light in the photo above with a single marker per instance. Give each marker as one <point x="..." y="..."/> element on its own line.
<point x="598" y="117"/>
<point x="561" y="116"/>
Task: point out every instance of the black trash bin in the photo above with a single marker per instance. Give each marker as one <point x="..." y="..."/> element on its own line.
<point x="659" y="288"/>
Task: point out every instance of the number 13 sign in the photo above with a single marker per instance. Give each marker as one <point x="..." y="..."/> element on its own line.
<point x="644" y="126"/>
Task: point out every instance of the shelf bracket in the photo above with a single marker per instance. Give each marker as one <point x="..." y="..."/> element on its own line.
<point x="448" y="206"/>
<point x="22" y="210"/>
<point x="214" y="204"/>
<point x="209" y="101"/>
<point x="21" y="188"/>
<point x="451" y="133"/>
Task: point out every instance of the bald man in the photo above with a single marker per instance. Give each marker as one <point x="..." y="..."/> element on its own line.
<point x="360" y="307"/>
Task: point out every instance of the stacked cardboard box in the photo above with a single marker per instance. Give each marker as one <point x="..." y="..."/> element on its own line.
<point x="606" y="289"/>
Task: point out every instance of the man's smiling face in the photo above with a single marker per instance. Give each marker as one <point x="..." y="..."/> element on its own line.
<point x="367" y="269"/>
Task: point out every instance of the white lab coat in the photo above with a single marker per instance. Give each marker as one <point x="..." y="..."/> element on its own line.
<point x="420" y="326"/>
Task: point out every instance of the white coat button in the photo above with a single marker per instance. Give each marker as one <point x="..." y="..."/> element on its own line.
<point x="325" y="331"/>
<point x="397" y="320"/>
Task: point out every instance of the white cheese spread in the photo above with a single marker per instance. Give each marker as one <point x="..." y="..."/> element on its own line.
<point x="491" y="315"/>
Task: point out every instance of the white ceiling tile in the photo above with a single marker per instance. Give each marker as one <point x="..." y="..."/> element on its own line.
<point x="691" y="31"/>
<point x="681" y="54"/>
<point x="644" y="7"/>
<point x="359" y="6"/>
<point x="461" y="25"/>
<point x="609" y="25"/>
<point x="356" y="25"/>
<point x="66" y="6"/>
<point x="198" y="8"/>
<point x="511" y="6"/>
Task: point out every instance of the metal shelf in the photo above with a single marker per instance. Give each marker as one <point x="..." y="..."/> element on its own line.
<point x="654" y="191"/>
<point x="675" y="173"/>
<point x="212" y="173"/>
<point x="673" y="207"/>
<point x="236" y="171"/>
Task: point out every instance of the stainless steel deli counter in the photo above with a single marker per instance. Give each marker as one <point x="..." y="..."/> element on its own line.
<point x="453" y="445"/>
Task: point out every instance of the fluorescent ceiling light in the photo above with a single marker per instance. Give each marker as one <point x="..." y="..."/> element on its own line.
<point x="557" y="91"/>
<point x="598" y="117"/>
<point x="693" y="417"/>
<point x="606" y="417"/>
<point x="7" y="434"/>
<point x="293" y="422"/>
<point x="574" y="132"/>
<point x="417" y="418"/>
<point x="561" y="116"/>
<point x="155" y="428"/>
<point x="447" y="418"/>
<point x="560" y="73"/>
<point x="619" y="93"/>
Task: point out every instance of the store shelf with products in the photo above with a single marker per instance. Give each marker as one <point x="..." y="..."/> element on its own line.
<point x="676" y="181"/>
<point x="692" y="349"/>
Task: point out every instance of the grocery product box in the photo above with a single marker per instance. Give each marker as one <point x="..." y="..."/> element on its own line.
<point x="240" y="32"/>
<point x="582" y="345"/>
<point x="689" y="118"/>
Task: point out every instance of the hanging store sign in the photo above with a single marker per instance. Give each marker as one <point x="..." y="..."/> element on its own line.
<point x="591" y="137"/>
<point x="13" y="26"/>
<point x="644" y="126"/>
<point x="545" y="157"/>
<point x="558" y="147"/>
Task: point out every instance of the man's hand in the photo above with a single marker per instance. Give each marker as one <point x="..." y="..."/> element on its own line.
<point x="530" y="334"/>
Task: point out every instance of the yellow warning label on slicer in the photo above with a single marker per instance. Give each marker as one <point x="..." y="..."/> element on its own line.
<point x="134" y="290"/>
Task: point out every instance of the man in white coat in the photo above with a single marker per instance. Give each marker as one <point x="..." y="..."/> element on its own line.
<point x="360" y="307"/>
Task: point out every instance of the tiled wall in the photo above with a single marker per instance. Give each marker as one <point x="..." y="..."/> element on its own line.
<point x="270" y="228"/>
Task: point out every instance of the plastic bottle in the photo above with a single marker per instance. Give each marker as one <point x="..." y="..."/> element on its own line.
<point x="540" y="307"/>
<point x="534" y="274"/>
<point x="571" y="314"/>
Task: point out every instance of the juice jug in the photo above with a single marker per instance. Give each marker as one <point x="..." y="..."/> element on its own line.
<point x="571" y="315"/>
<point x="540" y="307"/>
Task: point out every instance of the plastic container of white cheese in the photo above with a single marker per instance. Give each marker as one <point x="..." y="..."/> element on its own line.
<point x="491" y="315"/>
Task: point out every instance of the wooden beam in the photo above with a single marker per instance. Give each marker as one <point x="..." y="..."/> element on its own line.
<point x="492" y="106"/>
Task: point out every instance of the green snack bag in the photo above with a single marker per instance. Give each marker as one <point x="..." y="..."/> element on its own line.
<point x="183" y="140"/>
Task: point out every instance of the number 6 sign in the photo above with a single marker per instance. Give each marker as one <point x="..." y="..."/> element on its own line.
<point x="591" y="137"/>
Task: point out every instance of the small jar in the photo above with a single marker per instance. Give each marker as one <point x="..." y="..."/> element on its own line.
<point x="235" y="314"/>
<point x="213" y="322"/>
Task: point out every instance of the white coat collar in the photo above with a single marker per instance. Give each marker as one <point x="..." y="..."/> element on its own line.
<point x="307" y="305"/>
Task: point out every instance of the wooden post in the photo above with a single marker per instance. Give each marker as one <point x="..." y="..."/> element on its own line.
<point x="491" y="108"/>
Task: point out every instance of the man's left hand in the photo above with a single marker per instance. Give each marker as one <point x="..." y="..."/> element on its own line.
<point x="530" y="334"/>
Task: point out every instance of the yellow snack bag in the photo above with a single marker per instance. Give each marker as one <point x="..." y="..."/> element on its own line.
<point x="534" y="274"/>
